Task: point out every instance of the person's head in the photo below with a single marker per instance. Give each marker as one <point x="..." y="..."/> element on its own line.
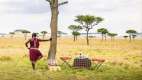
<point x="34" y="35"/>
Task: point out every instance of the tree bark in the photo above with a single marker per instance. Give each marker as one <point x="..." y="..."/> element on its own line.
<point x="53" y="25"/>
<point x="87" y="37"/>
<point x="130" y="37"/>
<point x="74" y="38"/>
<point x="102" y="37"/>
<point x="11" y="36"/>
<point x="105" y="37"/>
<point x="25" y="36"/>
<point x="111" y="38"/>
<point x="43" y="36"/>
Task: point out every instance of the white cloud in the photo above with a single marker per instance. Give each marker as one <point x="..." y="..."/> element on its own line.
<point x="24" y="6"/>
<point x="119" y="15"/>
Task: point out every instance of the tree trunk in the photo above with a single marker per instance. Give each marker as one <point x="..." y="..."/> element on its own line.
<point x="74" y="38"/>
<point x="130" y="37"/>
<point x="102" y="37"/>
<point x="25" y="36"/>
<point x="111" y="38"/>
<point x="87" y="37"/>
<point x="43" y="36"/>
<point x="11" y="36"/>
<point x="53" y="25"/>
<point x="105" y="37"/>
<point x="133" y="38"/>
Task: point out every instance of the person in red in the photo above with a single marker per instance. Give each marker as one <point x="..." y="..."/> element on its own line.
<point x="34" y="52"/>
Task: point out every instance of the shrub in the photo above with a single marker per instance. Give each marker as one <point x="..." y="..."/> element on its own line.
<point x="5" y="58"/>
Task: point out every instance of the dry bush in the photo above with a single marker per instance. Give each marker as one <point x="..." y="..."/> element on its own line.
<point x="5" y="58"/>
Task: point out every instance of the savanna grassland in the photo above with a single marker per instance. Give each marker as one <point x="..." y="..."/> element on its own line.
<point x="123" y="60"/>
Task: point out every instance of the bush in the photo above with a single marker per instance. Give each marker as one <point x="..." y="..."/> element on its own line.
<point x="5" y="58"/>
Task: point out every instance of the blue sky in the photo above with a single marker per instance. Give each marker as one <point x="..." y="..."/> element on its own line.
<point x="34" y="15"/>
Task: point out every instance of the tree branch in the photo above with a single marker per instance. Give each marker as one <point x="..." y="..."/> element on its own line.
<point x="62" y="3"/>
<point x="95" y="24"/>
<point x="49" y="1"/>
<point x="90" y="27"/>
<point x="82" y="24"/>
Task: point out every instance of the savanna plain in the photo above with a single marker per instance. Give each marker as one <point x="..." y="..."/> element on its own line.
<point x="123" y="60"/>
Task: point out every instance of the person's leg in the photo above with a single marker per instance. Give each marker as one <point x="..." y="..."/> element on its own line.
<point x="40" y="57"/>
<point x="33" y="65"/>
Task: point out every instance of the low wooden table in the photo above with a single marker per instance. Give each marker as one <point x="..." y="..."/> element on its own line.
<point x="83" y="62"/>
<point x="66" y="60"/>
<point x="98" y="62"/>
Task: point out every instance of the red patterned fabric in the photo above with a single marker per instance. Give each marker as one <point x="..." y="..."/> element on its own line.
<point x="35" y="54"/>
<point x="34" y="43"/>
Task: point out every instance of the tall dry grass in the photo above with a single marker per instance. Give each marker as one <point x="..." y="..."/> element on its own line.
<point x="123" y="60"/>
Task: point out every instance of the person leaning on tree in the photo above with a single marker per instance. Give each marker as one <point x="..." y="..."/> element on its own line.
<point x="34" y="52"/>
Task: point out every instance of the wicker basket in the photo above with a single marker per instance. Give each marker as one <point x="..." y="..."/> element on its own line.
<point x="82" y="63"/>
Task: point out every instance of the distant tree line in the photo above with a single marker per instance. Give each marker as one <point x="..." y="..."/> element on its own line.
<point x="26" y="32"/>
<point x="87" y="22"/>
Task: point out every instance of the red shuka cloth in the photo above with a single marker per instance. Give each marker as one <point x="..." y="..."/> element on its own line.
<point x="35" y="54"/>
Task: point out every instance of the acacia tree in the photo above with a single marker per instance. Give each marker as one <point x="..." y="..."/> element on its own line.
<point x="125" y="37"/>
<point x="60" y="33"/>
<point x="76" y="34"/>
<point x="11" y="34"/>
<point x="103" y="31"/>
<point x="25" y="32"/>
<point x="88" y="22"/>
<point x="43" y="33"/>
<point x="112" y="35"/>
<point x="75" y="29"/>
<point x="134" y="36"/>
<point x="53" y="25"/>
<point x="131" y="33"/>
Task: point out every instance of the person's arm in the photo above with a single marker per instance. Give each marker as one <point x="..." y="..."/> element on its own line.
<point x="26" y="44"/>
<point x="42" y="40"/>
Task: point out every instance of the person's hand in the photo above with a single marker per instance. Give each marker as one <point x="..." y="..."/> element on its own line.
<point x="28" y="48"/>
<point x="50" y="39"/>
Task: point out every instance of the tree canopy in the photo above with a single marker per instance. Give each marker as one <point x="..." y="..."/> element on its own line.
<point x="112" y="34"/>
<point x="102" y="30"/>
<point x="131" y="32"/>
<point x="43" y="32"/>
<point x="87" y="22"/>
<point x="22" y="30"/>
<point x="74" y="27"/>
